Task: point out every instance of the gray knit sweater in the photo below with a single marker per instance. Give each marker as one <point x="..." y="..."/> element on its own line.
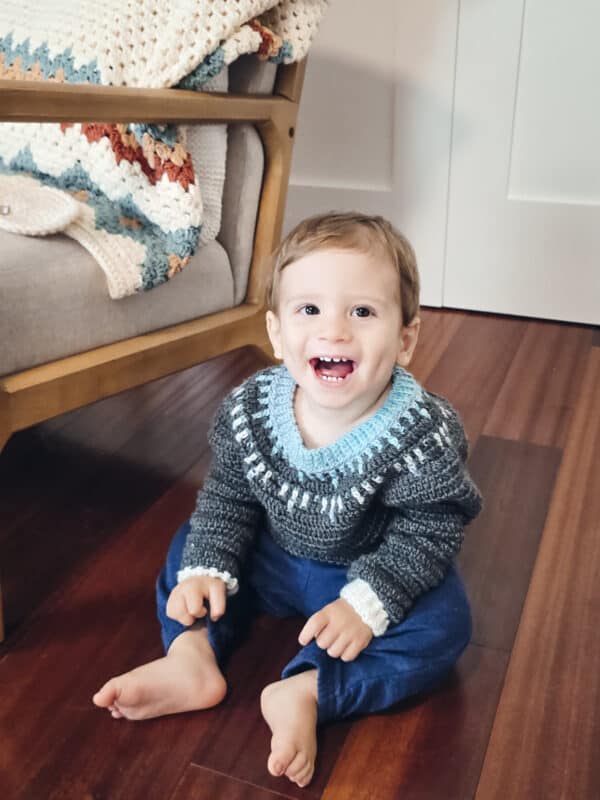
<point x="389" y="499"/>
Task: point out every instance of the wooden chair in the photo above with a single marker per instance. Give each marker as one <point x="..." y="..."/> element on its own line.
<point x="45" y="391"/>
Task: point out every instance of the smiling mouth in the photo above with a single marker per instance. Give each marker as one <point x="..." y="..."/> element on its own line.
<point x="333" y="369"/>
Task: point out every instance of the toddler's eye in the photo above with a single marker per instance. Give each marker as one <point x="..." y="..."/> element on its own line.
<point x="309" y="309"/>
<point x="362" y="311"/>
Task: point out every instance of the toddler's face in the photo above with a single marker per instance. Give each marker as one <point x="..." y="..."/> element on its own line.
<point x="338" y="326"/>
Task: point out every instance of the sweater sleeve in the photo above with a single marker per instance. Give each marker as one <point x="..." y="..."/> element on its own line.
<point x="227" y="516"/>
<point x="428" y="508"/>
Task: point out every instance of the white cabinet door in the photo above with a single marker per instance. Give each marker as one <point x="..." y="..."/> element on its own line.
<point x="375" y="122"/>
<point x="523" y="231"/>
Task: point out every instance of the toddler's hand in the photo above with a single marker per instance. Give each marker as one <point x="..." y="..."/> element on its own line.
<point x="338" y="629"/>
<point x="186" y="601"/>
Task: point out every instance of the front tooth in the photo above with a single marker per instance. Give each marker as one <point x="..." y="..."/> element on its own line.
<point x="337" y="360"/>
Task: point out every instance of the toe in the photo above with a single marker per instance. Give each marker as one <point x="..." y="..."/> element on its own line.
<point x="280" y="758"/>
<point x="304" y="777"/>
<point x="275" y="765"/>
<point x="297" y="767"/>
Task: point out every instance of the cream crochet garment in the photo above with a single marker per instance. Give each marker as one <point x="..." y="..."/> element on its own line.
<point x="141" y="203"/>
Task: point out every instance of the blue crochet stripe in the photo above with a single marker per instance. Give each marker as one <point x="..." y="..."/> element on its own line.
<point x="207" y="69"/>
<point x="49" y="65"/>
<point x="357" y="446"/>
<point x="158" y="244"/>
<point x="286" y="53"/>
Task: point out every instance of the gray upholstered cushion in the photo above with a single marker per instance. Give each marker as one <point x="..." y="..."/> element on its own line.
<point x="250" y="75"/>
<point x="241" y="195"/>
<point x="53" y="296"/>
<point x="54" y="301"/>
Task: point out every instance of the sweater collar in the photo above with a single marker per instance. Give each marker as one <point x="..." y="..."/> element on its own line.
<point x="356" y="445"/>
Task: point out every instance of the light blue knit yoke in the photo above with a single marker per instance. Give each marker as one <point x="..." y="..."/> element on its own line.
<point x="352" y="451"/>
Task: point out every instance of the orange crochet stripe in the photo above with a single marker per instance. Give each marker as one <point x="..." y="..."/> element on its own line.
<point x="126" y="147"/>
<point x="271" y="43"/>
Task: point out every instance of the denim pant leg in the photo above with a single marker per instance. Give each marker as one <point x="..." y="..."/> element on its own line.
<point x="411" y="657"/>
<point x="222" y="634"/>
<point x="271" y="583"/>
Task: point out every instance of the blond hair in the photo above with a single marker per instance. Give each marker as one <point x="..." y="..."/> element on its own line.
<point x="350" y="231"/>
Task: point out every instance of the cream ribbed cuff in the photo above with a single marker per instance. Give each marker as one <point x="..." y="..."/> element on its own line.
<point x="367" y="605"/>
<point x="230" y="582"/>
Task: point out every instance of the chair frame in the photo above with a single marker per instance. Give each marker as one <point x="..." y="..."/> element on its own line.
<point x="45" y="391"/>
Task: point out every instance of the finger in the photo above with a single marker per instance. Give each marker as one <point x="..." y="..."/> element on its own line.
<point x="216" y="598"/>
<point x="176" y="608"/>
<point x="338" y="647"/>
<point x="312" y="628"/>
<point x="327" y="637"/>
<point x="194" y="603"/>
<point x="351" y="651"/>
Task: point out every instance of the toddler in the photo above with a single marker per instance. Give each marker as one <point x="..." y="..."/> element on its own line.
<point x="338" y="490"/>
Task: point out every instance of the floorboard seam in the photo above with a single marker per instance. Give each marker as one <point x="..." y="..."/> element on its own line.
<point x="241" y="780"/>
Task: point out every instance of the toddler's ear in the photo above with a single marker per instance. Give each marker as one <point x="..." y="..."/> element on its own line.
<point x="274" y="332"/>
<point x="408" y="341"/>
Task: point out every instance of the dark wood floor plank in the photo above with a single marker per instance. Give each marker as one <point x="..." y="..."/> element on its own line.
<point x="437" y="329"/>
<point x="474" y="366"/>
<point x="542" y="385"/>
<point x="596" y="336"/>
<point x="497" y="558"/>
<point x="103" y="623"/>
<point x="202" y="784"/>
<point x="431" y="749"/>
<point x="544" y="742"/>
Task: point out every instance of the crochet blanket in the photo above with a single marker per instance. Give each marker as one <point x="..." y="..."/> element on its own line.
<point x="141" y="206"/>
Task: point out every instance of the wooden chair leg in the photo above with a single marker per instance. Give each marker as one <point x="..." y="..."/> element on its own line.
<point x="5" y="433"/>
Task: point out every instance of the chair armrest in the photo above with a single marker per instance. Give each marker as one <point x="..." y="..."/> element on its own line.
<point x="27" y="101"/>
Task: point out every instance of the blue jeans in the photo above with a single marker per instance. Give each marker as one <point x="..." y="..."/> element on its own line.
<point x="411" y="657"/>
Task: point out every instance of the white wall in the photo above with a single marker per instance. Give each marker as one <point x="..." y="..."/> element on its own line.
<point x="474" y="126"/>
<point x="375" y="121"/>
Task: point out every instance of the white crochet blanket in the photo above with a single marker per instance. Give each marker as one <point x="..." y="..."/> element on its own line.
<point x="141" y="203"/>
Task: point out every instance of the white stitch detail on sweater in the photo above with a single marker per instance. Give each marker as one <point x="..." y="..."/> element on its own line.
<point x="266" y="476"/>
<point x="284" y="489"/>
<point x="252" y="457"/>
<point x="305" y="499"/>
<point x="254" y="471"/>
<point x="419" y="454"/>
<point x="332" y="509"/>
<point x="242" y="435"/>
<point x="340" y="504"/>
<point x="323" y="505"/>
<point x="411" y="464"/>
<point x="236" y="410"/>
<point x="292" y="499"/>
<point x="367" y="487"/>
<point x="438" y="439"/>
<point x="357" y="495"/>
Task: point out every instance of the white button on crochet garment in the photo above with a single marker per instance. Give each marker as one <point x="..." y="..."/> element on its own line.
<point x="32" y="209"/>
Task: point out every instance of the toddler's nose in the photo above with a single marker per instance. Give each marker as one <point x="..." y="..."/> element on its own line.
<point x="335" y="329"/>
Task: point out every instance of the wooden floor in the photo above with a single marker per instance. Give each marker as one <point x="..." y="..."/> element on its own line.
<point x="89" y="501"/>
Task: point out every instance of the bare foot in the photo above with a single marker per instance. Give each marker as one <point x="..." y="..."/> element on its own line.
<point x="186" y="679"/>
<point x="290" y="710"/>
